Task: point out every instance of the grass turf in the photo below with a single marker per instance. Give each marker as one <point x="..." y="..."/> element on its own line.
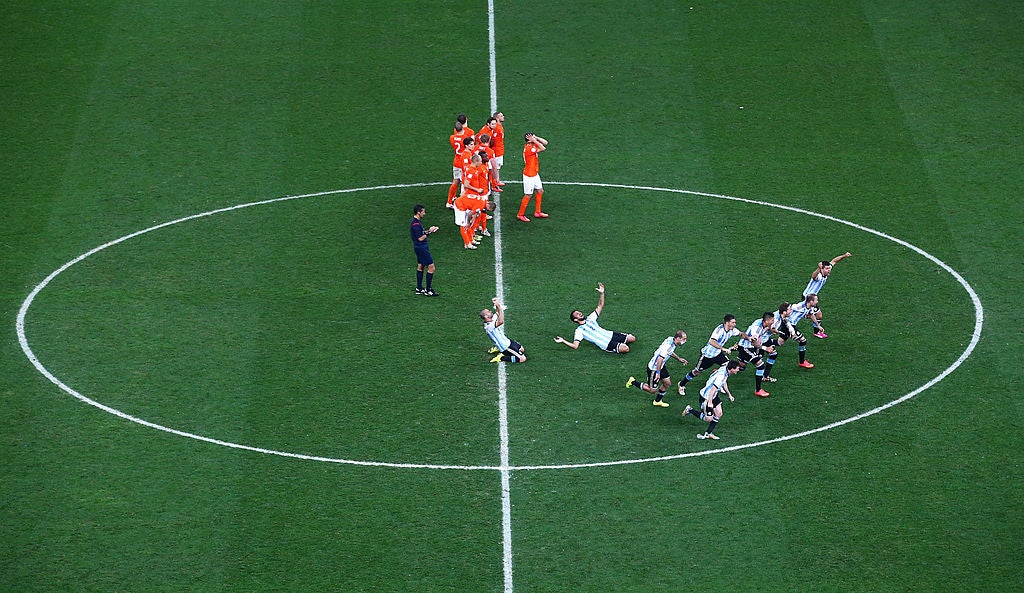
<point x="292" y="325"/>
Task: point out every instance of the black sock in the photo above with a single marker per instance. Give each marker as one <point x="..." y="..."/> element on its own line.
<point x="757" y="381"/>
<point x="768" y="366"/>
<point x="686" y="379"/>
<point x="660" y="396"/>
<point x="803" y="353"/>
<point x="430" y="280"/>
<point x="419" y="279"/>
<point x="711" y="426"/>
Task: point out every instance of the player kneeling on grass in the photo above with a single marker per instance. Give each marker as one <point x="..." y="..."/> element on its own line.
<point x="710" y="403"/>
<point x="505" y="350"/>
<point x="658" y="379"/>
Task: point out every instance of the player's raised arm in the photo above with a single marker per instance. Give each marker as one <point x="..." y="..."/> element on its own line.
<point x="500" y="311"/>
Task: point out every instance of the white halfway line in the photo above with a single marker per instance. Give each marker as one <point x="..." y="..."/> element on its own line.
<point x="499" y="289"/>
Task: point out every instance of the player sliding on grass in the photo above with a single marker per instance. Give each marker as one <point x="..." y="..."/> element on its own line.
<point x="590" y="331"/>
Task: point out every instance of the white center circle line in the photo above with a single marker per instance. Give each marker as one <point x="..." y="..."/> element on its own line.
<point x="26" y="348"/>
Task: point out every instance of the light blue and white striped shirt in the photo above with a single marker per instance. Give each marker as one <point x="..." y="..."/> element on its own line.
<point x="800" y="310"/>
<point x="497" y="335"/>
<point x="815" y="285"/>
<point x="592" y="332"/>
<point x="717" y="379"/>
<point x="720" y="335"/>
<point x="756" y="330"/>
<point x="664" y="351"/>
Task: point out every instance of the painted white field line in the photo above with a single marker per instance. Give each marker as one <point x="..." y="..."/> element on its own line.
<point x="499" y="289"/>
<point x="20" y="326"/>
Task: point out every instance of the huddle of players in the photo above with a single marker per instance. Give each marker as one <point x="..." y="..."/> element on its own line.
<point x="757" y="346"/>
<point x="476" y="166"/>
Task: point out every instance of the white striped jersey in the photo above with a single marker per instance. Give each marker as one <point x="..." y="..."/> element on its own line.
<point x="664" y="351"/>
<point x="497" y="335"/>
<point x="756" y="330"/>
<point x="800" y="310"/>
<point x="717" y="379"/>
<point x="815" y="284"/>
<point x="720" y="335"/>
<point x="592" y="332"/>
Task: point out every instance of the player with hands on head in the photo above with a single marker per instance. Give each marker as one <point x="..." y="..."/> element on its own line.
<point x="590" y="331"/>
<point x="532" y="185"/>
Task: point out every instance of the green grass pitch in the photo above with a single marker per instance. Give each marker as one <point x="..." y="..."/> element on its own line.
<point x="701" y="159"/>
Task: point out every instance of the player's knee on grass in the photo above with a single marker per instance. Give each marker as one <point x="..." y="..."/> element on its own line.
<point x="622" y="348"/>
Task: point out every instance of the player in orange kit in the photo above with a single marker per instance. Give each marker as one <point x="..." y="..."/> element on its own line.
<point x="457" y="141"/>
<point x="459" y="165"/>
<point x="496" y="131"/>
<point x="531" y="175"/>
<point x="469" y="204"/>
<point x="480" y="173"/>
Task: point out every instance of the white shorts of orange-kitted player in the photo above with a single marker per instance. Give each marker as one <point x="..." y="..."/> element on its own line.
<point x="532" y="184"/>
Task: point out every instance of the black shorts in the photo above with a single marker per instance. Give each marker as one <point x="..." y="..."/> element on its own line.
<point x="789" y="332"/>
<point x="651" y="382"/>
<point x="750" y="355"/>
<point x="708" y="406"/>
<point x="423" y="257"/>
<point x="705" y="362"/>
<point x="617" y="338"/>
<point x="514" y="347"/>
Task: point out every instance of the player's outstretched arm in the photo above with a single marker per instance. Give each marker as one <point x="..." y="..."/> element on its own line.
<point x="574" y="345"/>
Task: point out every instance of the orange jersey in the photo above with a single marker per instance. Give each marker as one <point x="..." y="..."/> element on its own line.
<point x="465" y="202"/>
<point x="530" y="158"/>
<point x="498" y="139"/>
<point x="457" y="137"/>
<point x="462" y="160"/>
<point x="490" y="155"/>
<point x="475" y="180"/>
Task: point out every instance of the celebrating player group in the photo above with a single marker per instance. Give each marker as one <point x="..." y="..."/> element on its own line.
<point x="476" y="176"/>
